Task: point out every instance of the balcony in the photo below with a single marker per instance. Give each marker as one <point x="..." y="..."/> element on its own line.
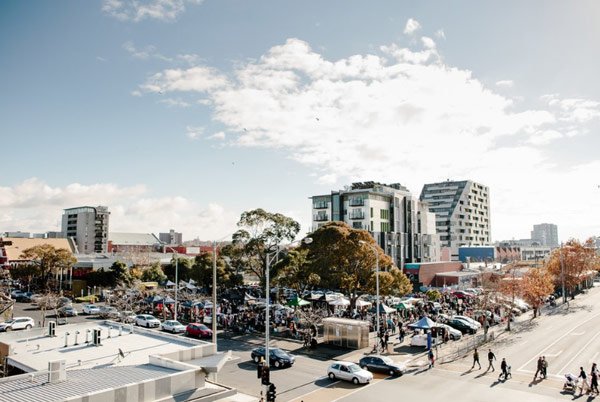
<point x="356" y="202"/>
<point x="358" y="225"/>
<point x="320" y="217"/>
<point x="357" y="215"/>
<point x="320" y="205"/>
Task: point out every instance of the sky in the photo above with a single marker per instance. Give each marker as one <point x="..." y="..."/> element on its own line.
<point x="182" y="114"/>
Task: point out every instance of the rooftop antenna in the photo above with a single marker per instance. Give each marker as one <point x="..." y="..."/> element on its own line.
<point x="122" y="355"/>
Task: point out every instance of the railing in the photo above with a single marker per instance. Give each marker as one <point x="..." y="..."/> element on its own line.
<point x="320" y="205"/>
<point x="355" y="215"/>
<point x="356" y="202"/>
<point x="320" y="217"/>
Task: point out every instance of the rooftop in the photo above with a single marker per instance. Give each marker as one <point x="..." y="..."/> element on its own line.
<point x="133" y="239"/>
<point x="14" y="246"/>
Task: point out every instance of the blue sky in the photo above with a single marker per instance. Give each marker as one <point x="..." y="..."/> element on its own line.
<point x="182" y="114"/>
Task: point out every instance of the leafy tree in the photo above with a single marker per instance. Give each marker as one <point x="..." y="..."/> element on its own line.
<point x="154" y="274"/>
<point x="537" y="284"/>
<point x="25" y="273"/>
<point x="294" y="271"/>
<point x="433" y="294"/>
<point x="391" y="283"/>
<point x="184" y="268"/>
<point x="571" y="261"/>
<point x="49" y="259"/>
<point x="510" y="286"/>
<point x="202" y="272"/>
<point x="102" y="278"/>
<point x="260" y="232"/>
<point x="121" y="273"/>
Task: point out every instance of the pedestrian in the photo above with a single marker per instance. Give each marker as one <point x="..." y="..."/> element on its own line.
<point x="386" y="341"/>
<point x="584" y="383"/>
<point x="476" y="359"/>
<point x="505" y="370"/>
<point x="491" y="358"/>
<point x="540" y="368"/>
<point x="544" y="367"/>
<point x="594" y="377"/>
<point x="431" y="358"/>
<point x="402" y="333"/>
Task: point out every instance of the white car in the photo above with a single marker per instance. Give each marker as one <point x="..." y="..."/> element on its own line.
<point x="469" y="320"/>
<point x="348" y="371"/>
<point x="173" y="326"/>
<point x="146" y="320"/>
<point x="17" y="323"/>
<point x="453" y="333"/>
<point x="91" y="309"/>
<point x="421" y="340"/>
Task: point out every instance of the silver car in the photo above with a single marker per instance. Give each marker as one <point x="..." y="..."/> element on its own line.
<point x="349" y="372"/>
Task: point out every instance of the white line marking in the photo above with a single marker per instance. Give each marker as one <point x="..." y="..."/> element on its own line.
<point x="577" y="333"/>
<point x="541" y="353"/>
<point x="578" y="353"/>
<point x="593" y="359"/>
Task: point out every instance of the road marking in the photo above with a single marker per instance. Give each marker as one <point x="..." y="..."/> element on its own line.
<point x="578" y="353"/>
<point x="577" y="333"/>
<point x="541" y="353"/>
<point x="593" y="357"/>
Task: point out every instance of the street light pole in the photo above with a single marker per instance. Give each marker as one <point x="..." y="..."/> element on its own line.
<point x="376" y="287"/>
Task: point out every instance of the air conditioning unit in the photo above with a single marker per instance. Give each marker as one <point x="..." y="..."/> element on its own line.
<point x="96" y="337"/>
<point x="52" y="328"/>
<point x="57" y="371"/>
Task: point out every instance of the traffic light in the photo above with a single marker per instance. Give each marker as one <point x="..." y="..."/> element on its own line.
<point x="265" y="376"/>
<point x="271" y="393"/>
<point x="259" y="371"/>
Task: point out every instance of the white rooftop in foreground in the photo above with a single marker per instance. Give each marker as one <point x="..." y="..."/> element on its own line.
<point x="32" y="351"/>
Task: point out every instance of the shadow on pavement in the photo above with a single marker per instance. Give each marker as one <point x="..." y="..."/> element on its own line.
<point x="322" y="352"/>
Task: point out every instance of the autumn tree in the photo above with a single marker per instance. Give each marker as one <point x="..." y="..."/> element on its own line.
<point x="510" y="286"/>
<point x="49" y="259"/>
<point x="260" y="233"/>
<point x="569" y="263"/>
<point x="537" y="284"/>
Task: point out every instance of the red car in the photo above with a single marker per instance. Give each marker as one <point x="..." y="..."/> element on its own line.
<point x="462" y="295"/>
<point x="198" y="330"/>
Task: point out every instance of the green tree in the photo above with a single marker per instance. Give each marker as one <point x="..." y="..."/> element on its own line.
<point x="49" y="259"/>
<point x="25" y="272"/>
<point x="295" y="272"/>
<point x="154" y="274"/>
<point x="260" y="232"/>
<point x="184" y="268"/>
<point x="121" y="273"/>
<point x="202" y="272"/>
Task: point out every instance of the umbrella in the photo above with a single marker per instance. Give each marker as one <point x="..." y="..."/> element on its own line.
<point x="404" y="306"/>
<point x="169" y="283"/>
<point x="423" y="323"/>
<point x="342" y="301"/>
<point x="362" y="303"/>
<point x="297" y="301"/>
<point x="384" y="309"/>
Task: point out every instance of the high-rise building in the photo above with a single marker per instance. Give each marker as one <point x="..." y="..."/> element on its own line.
<point x="546" y="234"/>
<point x="171" y="238"/>
<point x="401" y="224"/>
<point x="87" y="227"/>
<point x="462" y="213"/>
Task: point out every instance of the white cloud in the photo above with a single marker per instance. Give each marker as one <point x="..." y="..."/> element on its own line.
<point x="217" y="136"/>
<point x="144" y="53"/>
<point x="440" y="34"/>
<point x="505" y="84"/>
<point x="102" y="59"/>
<point x="138" y="10"/>
<point x="400" y="115"/>
<point x="428" y="42"/>
<point x="171" y="102"/>
<point x="411" y="26"/>
<point x="37" y="207"/>
<point x="194" y="133"/>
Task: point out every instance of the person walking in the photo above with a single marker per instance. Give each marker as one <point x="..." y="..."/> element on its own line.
<point x="539" y="369"/>
<point x="402" y="333"/>
<point x="431" y="358"/>
<point x="505" y="370"/>
<point x="491" y="358"/>
<point x="594" y="379"/>
<point x="387" y="341"/>
<point x="544" y="367"/>
<point x="476" y="359"/>
<point x="584" y="383"/>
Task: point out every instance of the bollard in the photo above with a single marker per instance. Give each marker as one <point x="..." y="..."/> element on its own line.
<point x="76" y="333"/>
<point x="67" y="339"/>
<point x="120" y="330"/>
<point x="87" y="336"/>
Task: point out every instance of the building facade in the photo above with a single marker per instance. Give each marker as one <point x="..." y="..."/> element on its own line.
<point x="462" y="213"/>
<point x="87" y="227"/>
<point x="401" y="224"/>
<point x="171" y="238"/>
<point x="546" y="234"/>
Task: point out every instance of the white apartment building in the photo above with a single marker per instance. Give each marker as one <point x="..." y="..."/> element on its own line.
<point x="402" y="225"/>
<point x="87" y="227"/>
<point x="462" y="211"/>
<point x="546" y="234"/>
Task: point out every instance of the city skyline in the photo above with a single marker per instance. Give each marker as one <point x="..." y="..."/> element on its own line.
<point x="183" y="114"/>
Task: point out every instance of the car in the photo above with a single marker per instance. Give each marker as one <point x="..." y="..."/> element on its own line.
<point x="108" y="312"/>
<point x="382" y="364"/>
<point x="91" y="309"/>
<point x="64" y="301"/>
<point x="67" y="311"/>
<point x="462" y="326"/>
<point x="172" y="326"/>
<point x="146" y="320"/>
<point x="198" y="330"/>
<point x="16" y="293"/>
<point x="348" y="371"/>
<point x="17" y="323"/>
<point x="462" y="295"/>
<point x="24" y="297"/>
<point x="127" y="317"/>
<point x="421" y="340"/>
<point x="468" y="319"/>
<point x="453" y="334"/>
<point x="491" y="318"/>
<point x="277" y="357"/>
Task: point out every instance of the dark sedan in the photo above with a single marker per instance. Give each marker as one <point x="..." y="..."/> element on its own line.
<point x="462" y="326"/>
<point x="278" y="357"/>
<point x="382" y="364"/>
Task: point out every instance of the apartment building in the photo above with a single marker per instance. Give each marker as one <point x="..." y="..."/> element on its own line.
<point x="462" y="213"/>
<point x="546" y="234"/>
<point x="401" y="224"/>
<point x="171" y="238"/>
<point x="87" y="227"/>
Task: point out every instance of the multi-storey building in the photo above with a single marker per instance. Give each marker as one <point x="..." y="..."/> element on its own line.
<point x="546" y="234"/>
<point x="462" y="213"/>
<point x="171" y="238"/>
<point x="401" y="224"/>
<point x="87" y="227"/>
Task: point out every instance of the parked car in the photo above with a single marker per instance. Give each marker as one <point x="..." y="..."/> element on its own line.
<point x="16" y="293"/>
<point x="127" y="317"/>
<point x="348" y="371"/>
<point x="64" y="301"/>
<point x="173" y="326"/>
<point x="108" y="312"/>
<point x="146" y="320"/>
<point x="17" y="323"/>
<point x="462" y="326"/>
<point x="462" y="295"/>
<point x="198" y="330"/>
<point x="453" y="334"/>
<point x="382" y="364"/>
<point x="277" y="357"/>
<point x="421" y="340"/>
<point x="492" y="318"/>
<point x="67" y="311"/>
<point x="91" y="309"/>
<point x="468" y="319"/>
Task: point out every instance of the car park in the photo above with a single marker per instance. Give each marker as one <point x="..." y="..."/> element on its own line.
<point x="172" y="326"/>
<point x="67" y="311"/>
<point x="348" y="371"/>
<point x="17" y="323"/>
<point x="463" y="326"/>
<point x="91" y="309"/>
<point x="278" y="358"/>
<point x="382" y="364"/>
<point x="146" y="320"/>
<point x="198" y="330"/>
